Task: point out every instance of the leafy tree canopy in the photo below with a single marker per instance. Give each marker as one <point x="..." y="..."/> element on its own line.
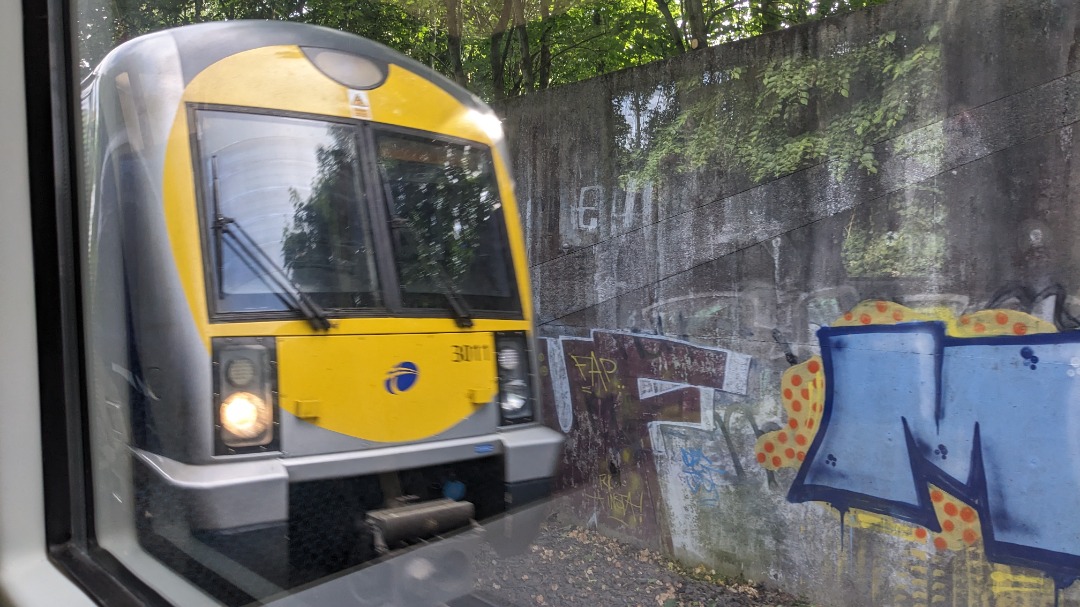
<point x="496" y="48"/>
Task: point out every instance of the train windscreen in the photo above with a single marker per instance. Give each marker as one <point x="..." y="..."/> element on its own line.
<point x="285" y="215"/>
<point x="448" y="229"/>
<point x="288" y="224"/>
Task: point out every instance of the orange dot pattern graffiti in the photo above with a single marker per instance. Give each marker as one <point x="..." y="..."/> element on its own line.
<point x="986" y="323"/>
<point x="959" y="522"/>
<point x="803" y="394"/>
<point x="802" y="391"/>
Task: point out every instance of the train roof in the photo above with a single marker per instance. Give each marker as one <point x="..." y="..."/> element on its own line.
<point x="203" y="44"/>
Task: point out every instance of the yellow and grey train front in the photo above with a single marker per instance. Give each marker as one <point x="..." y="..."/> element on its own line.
<point x="310" y="286"/>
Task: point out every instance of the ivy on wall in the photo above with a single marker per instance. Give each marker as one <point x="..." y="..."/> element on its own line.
<point x="781" y="116"/>
<point x="905" y="237"/>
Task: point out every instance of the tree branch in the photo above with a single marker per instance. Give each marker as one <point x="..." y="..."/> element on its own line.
<point x="577" y="44"/>
<point x="672" y="27"/>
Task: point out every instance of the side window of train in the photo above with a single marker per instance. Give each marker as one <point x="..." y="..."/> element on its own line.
<point x="292" y="317"/>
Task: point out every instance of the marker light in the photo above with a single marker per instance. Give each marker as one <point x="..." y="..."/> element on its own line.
<point x="489" y="122"/>
<point x="509" y="358"/>
<point x="240" y="372"/>
<point x="515" y="379"/>
<point x="350" y="70"/>
<point x="245" y="418"/>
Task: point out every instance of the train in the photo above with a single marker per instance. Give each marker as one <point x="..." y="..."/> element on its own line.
<point x="308" y="321"/>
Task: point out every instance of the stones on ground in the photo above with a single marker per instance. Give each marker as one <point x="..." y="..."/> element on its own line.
<point x="573" y="567"/>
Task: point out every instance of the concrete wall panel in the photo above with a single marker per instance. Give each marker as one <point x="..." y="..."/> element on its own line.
<point x="847" y="369"/>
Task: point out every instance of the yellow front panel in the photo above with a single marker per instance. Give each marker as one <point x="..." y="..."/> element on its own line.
<point x="281" y="78"/>
<point x="386" y="388"/>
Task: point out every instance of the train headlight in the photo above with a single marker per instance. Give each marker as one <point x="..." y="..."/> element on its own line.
<point x="245" y="416"/>
<point x="245" y="395"/>
<point x="515" y="378"/>
<point x="515" y="396"/>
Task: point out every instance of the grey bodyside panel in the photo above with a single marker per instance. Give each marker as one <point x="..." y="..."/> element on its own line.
<point x="484" y="420"/>
<point x="299" y="437"/>
<point x="140" y="308"/>
<point x="388" y="459"/>
<point x="531" y="452"/>
<point x="223" y="496"/>
<point x="173" y="360"/>
<point x="231" y="494"/>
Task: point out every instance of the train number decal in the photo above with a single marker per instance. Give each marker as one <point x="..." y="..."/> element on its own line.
<point x="470" y="354"/>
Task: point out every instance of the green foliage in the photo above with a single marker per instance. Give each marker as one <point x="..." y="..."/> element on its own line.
<point x="566" y="40"/>
<point x="777" y="118"/>
<point x="903" y="238"/>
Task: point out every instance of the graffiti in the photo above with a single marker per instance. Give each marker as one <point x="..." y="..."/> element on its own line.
<point x="1028" y="299"/>
<point x="802" y="394"/>
<point x="627" y="208"/>
<point x="587" y="209"/>
<point x="671" y="374"/>
<point x="615" y="394"/>
<point x="624" y="504"/>
<point x="597" y="374"/>
<point x="701" y="475"/>
<point x="964" y="426"/>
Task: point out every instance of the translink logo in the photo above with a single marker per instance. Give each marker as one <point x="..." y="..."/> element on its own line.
<point x="402" y="377"/>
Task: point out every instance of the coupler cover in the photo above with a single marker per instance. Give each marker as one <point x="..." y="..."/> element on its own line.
<point x="418" y="521"/>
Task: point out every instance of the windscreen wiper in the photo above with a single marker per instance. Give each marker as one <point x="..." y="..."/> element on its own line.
<point x="462" y="314"/>
<point x="260" y="264"/>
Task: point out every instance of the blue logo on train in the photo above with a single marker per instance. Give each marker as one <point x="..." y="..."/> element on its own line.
<point x="401" y="377"/>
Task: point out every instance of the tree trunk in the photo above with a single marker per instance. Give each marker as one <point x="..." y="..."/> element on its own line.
<point x="545" y="46"/>
<point x="523" y="44"/>
<point x="695" y="16"/>
<point x="453" y="40"/>
<point x="496" y="56"/>
<point x="672" y="27"/>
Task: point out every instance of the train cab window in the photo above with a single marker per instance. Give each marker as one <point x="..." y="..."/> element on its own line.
<point x="447" y="223"/>
<point x="285" y="214"/>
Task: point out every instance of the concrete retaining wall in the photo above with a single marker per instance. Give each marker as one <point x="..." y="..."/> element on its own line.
<point x="808" y="302"/>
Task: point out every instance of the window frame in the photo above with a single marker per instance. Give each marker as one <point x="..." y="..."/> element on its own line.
<point x="52" y="116"/>
<point x="374" y="129"/>
<point x="378" y="214"/>
<point x="207" y="241"/>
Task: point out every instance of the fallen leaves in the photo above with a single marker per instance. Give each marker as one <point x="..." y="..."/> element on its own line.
<point x="570" y="566"/>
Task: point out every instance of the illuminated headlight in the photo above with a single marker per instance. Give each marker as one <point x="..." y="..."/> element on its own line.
<point x="245" y="417"/>
<point x="245" y="395"/>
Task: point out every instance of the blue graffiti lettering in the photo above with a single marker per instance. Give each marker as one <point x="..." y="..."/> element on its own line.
<point x="701" y="475"/>
<point x="994" y="421"/>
